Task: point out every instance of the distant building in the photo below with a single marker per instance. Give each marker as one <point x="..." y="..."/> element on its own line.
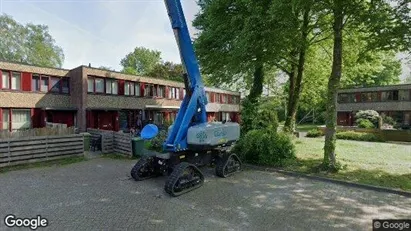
<point x="87" y="97"/>
<point x="393" y="101"/>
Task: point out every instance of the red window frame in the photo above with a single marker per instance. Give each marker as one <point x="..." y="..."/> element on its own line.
<point x="42" y="77"/>
<point x="10" y="76"/>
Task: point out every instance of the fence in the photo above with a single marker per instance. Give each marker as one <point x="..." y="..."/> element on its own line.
<point x="113" y="141"/>
<point x="46" y="131"/>
<point x="122" y="143"/>
<point x="41" y="148"/>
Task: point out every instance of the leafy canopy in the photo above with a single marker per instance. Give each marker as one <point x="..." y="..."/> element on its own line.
<point x="31" y="44"/>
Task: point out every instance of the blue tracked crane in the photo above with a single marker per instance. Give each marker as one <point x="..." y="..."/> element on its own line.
<point x="191" y="142"/>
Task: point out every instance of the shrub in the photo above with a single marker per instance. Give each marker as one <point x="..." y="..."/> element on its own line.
<point x="265" y="147"/>
<point x="258" y="115"/>
<point x="314" y="133"/>
<point x="351" y="135"/>
<point x="156" y="143"/>
<point x="370" y="115"/>
<point x="365" y="123"/>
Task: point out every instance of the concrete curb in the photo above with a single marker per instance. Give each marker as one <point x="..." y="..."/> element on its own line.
<point x="329" y="180"/>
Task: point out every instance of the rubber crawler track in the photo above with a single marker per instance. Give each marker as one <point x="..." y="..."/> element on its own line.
<point x="176" y="174"/>
<point x="222" y="163"/>
<point x="141" y="163"/>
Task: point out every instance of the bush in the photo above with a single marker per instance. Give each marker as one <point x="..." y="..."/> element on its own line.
<point x="365" y="123"/>
<point x="258" y="115"/>
<point x="265" y="147"/>
<point x="156" y="143"/>
<point x="351" y="135"/>
<point x="370" y="115"/>
<point x="314" y="133"/>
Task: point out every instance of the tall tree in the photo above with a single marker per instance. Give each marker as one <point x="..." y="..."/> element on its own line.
<point x="236" y="42"/>
<point x="141" y="61"/>
<point x="386" y="27"/>
<point x="168" y="70"/>
<point x="30" y="44"/>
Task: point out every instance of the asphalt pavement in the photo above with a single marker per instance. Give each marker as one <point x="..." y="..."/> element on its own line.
<point x="99" y="194"/>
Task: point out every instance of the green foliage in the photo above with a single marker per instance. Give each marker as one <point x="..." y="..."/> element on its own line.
<point x="314" y="133"/>
<point x="351" y="135"/>
<point x="369" y="115"/>
<point x="364" y="123"/>
<point x="141" y="61"/>
<point x="388" y="120"/>
<point x="31" y="44"/>
<point x="168" y="70"/>
<point x="156" y="143"/>
<point x="258" y="115"/>
<point x="265" y="147"/>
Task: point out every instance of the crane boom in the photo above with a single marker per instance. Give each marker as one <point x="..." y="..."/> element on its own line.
<point x="191" y="140"/>
<point x="192" y="110"/>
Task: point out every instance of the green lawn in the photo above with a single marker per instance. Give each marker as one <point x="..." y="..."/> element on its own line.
<point x="383" y="164"/>
<point x="306" y="127"/>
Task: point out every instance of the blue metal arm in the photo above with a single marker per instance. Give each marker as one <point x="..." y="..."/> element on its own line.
<point x="192" y="110"/>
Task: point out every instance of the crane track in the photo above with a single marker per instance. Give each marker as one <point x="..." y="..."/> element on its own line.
<point x="184" y="178"/>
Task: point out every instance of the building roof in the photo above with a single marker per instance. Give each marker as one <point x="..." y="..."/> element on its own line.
<point x="60" y="70"/>
<point x="376" y="88"/>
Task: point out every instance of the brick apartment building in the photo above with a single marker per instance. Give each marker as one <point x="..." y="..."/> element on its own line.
<point x="87" y="97"/>
<point x="393" y="101"/>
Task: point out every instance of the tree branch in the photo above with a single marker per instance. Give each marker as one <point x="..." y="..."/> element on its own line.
<point x="282" y="68"/>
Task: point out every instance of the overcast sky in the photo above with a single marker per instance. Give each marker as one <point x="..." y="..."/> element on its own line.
<point x="102" y="32"/>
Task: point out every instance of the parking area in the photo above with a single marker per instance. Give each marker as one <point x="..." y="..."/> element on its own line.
<point x="99" y="194"/>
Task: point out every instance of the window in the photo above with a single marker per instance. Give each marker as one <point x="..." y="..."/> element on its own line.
<point x="177" y="93"/>
<point x="345" y="98"/>
<point x="147" y="90"/>
<point x="127" y="88"/>
<point x="44" y="84"/>
<point x="108" y="86"/>
<point x="5" y="80"/>
<point x="16" y="81"/>
<point x="90" y="84"/>
<point x="184" y="93"/>
<point x="137" y="89"/>
<point x="114" y="87"/>
<point x="20" y="119"/>
<point x="387" y="96"/>
<point x="35" y="83"/>
<point x="6" y="119"/>
<point x="54" y="84"/>
<point x="161" y="91"/>
<point x="65" y="85"/>
<point x="152" y="91"/>
<point x="170" y="93"/>
<point x="369" y="96"/>
<point x="225" y="98"/>
<point x="404" y="95"/>
<point x="208" y="96"/>
<point x="217" y="97"/>
<point x="99" y="85"/>
<point x="132" y="88"/>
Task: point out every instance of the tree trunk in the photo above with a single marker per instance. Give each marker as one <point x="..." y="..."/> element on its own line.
<point x="257" y="88"/>
<point x="288" y="125"/>
<point x="329" y="161"/>
<point x="295" y="84"/>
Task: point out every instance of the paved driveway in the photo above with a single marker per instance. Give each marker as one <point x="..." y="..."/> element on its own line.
<point x="98" y="194"/>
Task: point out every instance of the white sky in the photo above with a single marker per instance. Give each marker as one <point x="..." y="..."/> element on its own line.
<point x="102" y="32"/>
